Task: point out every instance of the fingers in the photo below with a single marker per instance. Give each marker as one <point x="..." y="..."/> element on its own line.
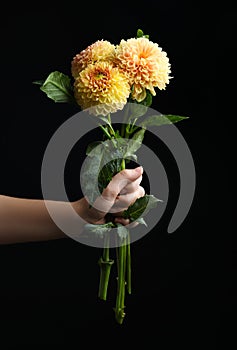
<point x="121" y="180"/>
<point x="117" y="184"/>
<point x="124" y="201"/>
<point x="131" y="187"/>
<point x="125" y="222"/>
<point x="122" y="221"/>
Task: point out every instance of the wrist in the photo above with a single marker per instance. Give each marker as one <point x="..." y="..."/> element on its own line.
<point x="87" y="213"/>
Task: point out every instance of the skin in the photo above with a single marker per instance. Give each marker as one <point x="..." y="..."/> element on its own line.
<point x="27" y="220"/>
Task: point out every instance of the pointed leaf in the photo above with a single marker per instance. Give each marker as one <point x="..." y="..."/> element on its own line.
<point x="136" y="110"/>
<point x="122" y="231"/>
<point x="104" y="118"/>
<point x="141" y="221"/>
<point x="99" y="168"/>
<point x="58" y="87"/>
<point x="140" y="207"/>
<point x="91" y="146"/>
<point x="99" y="230"/>
<point x="162" y="119"/>
<point x="108" y="171"/>
<point x="91" y="170"/>
<point x="38" y="82"/>
<point x="135" y="143"/>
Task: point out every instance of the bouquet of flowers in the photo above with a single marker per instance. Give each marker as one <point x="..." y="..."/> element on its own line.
<point x="108" y="78"/>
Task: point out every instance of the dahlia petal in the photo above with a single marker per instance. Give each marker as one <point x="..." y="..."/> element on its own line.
<point x="144" y="63"/>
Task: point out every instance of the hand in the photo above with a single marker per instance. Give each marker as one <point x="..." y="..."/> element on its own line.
<point x="122" y="191"/>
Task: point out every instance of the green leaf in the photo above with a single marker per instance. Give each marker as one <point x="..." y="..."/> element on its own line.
<point x="117" y="135"/>
<point x="161" y="119"/>
<point x="112" y="160"/>
<point x="132" y="157"/>
<point x="138" y="136"/>
<point x="103" y="163"/>
<point x="38" y="82"/>
<point x="90" y="173"/>
<point x="141" y="206"/>
<point x="136" y="109"/>
<point x="122" y="231"/>
<point x="141" y="221"/>
<point x="99" y="230"/>
<point x="104" y="118"/>
<point x="135" y="143"/>
<point x="108" y="171"/>
<point x="58" y="87"/>
<point x="91" y="146"/>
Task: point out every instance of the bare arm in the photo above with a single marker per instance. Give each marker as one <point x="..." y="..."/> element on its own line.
<point x="25" y="220"/>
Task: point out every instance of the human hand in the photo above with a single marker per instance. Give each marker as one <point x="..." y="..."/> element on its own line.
<point x="122" y="191"/>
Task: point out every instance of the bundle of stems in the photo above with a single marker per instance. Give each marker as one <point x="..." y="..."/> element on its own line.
<point x="123" y="257"/>
<point x="123" y="253"/>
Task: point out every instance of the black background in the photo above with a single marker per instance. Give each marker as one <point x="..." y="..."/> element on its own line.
<point x="183" y="291"/>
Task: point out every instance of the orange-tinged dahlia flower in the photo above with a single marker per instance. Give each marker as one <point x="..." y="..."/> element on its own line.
<point x="101" y="50"/>
<point x="145" y="65"/>
<point x="102" y="88"/>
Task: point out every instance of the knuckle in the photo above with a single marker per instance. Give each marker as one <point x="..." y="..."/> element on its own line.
<point x="122" y="200"/>
<point x="142" y="191"/>
<point x="135" y="185"/>
<point x="124" y="173"/>
<point x="109" y="193"/>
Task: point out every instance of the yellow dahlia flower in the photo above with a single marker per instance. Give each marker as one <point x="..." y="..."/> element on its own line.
<point x="145" y="65"/>
<point x="101" y="50"/>
<point x="102" y="88"/>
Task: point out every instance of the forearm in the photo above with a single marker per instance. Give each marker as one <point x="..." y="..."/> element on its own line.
<point x="25" y="220"/>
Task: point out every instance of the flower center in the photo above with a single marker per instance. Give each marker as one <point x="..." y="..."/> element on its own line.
<point x="99" y="75"/>
<point x="142" y="55"/>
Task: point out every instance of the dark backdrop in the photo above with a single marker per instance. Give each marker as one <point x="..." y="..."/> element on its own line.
<point x="183" y="282"/>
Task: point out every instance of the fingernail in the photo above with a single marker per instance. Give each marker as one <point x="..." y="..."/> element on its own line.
<point x="139" y="169"/>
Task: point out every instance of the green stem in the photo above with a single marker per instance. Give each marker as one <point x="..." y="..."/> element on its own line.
<point x="124" y="272"/>
<point x="112" y="132"/>
<point x="106" y="254"/>
<point x="109" y="118"/>
<point x="105" y="131"/>
<point x="125" y="118"/>
<point x="122" y="130"/>
<point x="124" y="276"/>
<point x="119" y="308"/>
<point x="127" y="134"/>
<point x="123" y="165"/>
<point x="105" y="264"/>
<point x="128" y="272"/>
<point x="128" y="263"/>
